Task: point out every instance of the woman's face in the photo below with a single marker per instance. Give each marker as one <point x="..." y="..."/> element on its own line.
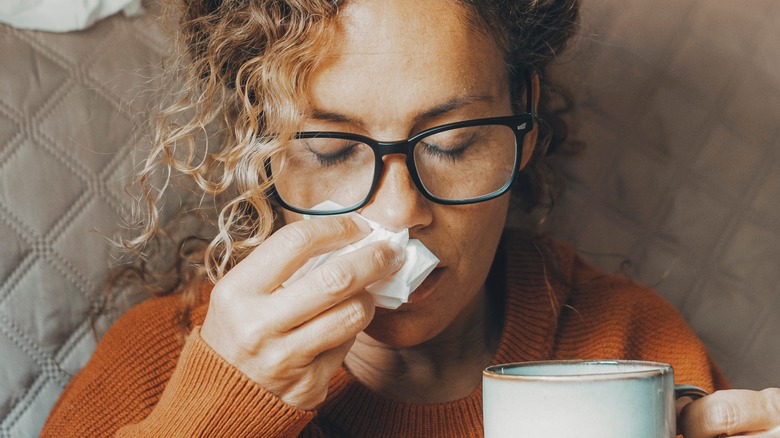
<point x="397" y="68"/>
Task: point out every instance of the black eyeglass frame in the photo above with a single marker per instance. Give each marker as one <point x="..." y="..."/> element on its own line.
<point x="520" y="124"/>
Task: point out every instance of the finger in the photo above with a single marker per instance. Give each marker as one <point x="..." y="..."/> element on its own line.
<point x="289" y="248"/>
<point x="334" y="327"/>
<point x="731" y="412"/>
<point x="774" y="433"/>
<point x="335" y="280"/>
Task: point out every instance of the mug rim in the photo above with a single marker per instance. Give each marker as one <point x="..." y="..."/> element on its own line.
<point x="651" y="369"/>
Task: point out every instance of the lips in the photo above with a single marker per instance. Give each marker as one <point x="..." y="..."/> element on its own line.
<point x="427" y="287"/>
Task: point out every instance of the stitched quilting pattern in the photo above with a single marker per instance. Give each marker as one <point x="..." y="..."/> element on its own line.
<point x="679" y="186"/>
<point x="69" y="111"/>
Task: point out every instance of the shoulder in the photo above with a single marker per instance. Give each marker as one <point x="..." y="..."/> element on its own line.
<point x="556" y="266"/>
<point x="159" y="316"/>
<point x="150" y="333"/>
<point x="593" y="290"/>
<point x="146" y="339"/>
<point x="127" y="372"/>
<point x="610" y="316"/>
<point x="152" y="315"/>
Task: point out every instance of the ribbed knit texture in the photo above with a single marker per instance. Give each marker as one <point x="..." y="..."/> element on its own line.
<point x="144" y="381"/>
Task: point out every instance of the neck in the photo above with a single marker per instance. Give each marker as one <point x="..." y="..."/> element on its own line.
<point x="445" y="368"/>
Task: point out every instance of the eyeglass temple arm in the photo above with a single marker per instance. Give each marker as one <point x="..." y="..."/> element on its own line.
<point x="529" y="89"/>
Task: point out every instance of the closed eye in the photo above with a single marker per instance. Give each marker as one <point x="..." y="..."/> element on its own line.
<point x="446" y="152"/>
<point x="332" y="152"/>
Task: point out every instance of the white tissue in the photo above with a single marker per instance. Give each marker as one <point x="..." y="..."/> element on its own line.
<point x="394" y="290"/>
<point x="63" y="15"/>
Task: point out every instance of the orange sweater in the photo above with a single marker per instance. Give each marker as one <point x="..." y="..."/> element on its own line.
<point x="144" y="380"/>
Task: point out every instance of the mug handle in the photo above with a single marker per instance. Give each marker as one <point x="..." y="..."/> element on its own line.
<point x="694" y="392"/>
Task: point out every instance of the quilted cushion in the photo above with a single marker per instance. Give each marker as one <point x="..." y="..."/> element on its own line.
<point x="678" y="188"/>
<point x="72" y="108"/>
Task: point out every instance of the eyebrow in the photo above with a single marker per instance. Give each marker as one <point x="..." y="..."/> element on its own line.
<point x="431" y="113"/>
<point x="450" y="105"/>
<point x="334" y="117"/>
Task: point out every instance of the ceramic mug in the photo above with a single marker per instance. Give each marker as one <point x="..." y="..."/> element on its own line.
<point x="607" y="398"/>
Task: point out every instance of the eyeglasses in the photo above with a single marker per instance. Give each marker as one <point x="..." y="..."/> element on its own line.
<point x="457" y="163"/>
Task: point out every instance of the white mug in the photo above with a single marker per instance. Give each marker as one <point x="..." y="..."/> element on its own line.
<point x="585" y="399"/>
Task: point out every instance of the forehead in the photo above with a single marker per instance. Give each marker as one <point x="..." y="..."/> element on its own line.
<point x="405" y="54"/>
<point x="402" y="21"/>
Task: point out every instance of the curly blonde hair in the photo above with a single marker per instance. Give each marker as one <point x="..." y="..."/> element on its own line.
<point x="245" y="65"/>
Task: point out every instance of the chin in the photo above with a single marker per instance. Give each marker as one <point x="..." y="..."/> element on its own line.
<point x="400" y="329"/>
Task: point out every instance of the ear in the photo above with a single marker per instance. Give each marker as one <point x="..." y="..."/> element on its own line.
<point x="529" y="141"/>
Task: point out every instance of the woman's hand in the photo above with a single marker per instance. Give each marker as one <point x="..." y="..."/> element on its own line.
<point x="730" y="413"/>
<point x="292" y="339"/>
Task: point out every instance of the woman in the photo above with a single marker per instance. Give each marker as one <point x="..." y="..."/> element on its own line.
<point x="267" y="355"/>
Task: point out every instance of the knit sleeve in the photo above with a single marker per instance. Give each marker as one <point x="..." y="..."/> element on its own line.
<point x="206" y="396"/>
<point x="145" y="380"/>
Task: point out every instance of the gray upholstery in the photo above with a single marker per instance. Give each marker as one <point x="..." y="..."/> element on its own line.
<point x="678" y="102"/>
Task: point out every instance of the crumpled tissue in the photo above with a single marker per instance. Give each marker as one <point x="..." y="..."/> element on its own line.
<point x="63" y="15"/>
<point x="393" y="290"/>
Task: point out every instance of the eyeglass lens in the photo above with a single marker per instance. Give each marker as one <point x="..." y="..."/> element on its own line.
<point x="457" y="164"/>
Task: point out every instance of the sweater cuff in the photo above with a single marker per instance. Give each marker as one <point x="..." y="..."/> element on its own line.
<point x="207" y="396"/>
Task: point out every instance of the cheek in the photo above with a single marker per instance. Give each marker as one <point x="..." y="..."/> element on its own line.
<point x="476" y="235"/>
<point x="483" y="223"/>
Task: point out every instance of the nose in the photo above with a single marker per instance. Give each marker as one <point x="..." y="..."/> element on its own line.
<point x="397" y="204"/>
